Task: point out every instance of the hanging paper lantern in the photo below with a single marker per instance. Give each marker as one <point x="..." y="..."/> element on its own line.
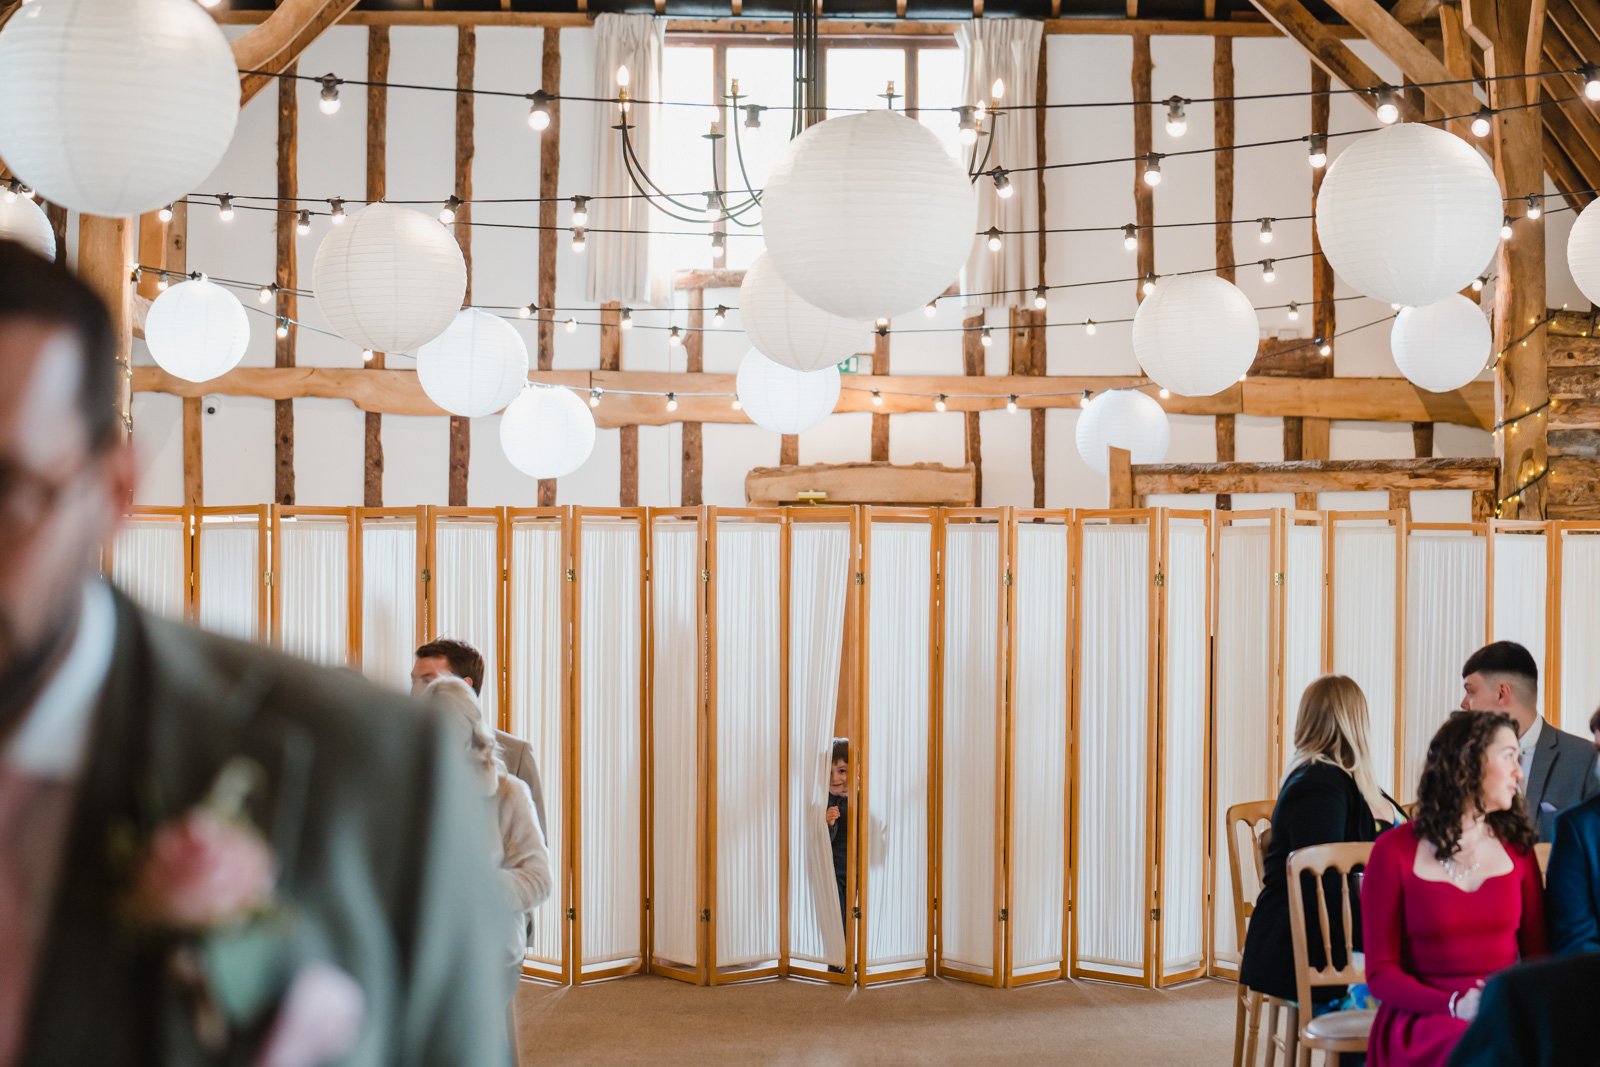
<point x="1195" y="334"/>
<point x="868" y="216"/>
<point x="1122" y="418"/>
<point x="476" y="367"/>
<point x="23" y="221"/>
<point x="789" y="331"/>
<point x="115" y="107"/>
<point x="1442" y="346"/>
<point x="196" y="330"/>
<point x="782" y="399"/>
<point x="390" y="279"/>
<point x="1583" y="253"/>
<point x="1409" y="215"/>
<point x="547" y="432"/>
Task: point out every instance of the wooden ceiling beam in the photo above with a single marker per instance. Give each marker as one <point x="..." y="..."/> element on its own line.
<point x="1315" y="476"/>
<point x="1327" y="50"/>
<point x="281" y="37"/>
<point x="1413" y="58"/>
<point x="1414" y="12"/>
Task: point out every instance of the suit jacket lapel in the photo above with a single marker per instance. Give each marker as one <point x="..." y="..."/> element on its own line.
<point x="1544" y="760"/>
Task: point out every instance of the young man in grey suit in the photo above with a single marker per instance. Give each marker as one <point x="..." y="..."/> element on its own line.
<point x="347" y="844"/>
<point x="1557" y="767"/>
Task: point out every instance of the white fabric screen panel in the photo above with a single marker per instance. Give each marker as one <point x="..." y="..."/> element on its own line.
<point x="1521" y="565"/>
<point x="1113" y="748"/>
<point x="147" y="563"/>
<point x="389" y="578"/>
<point x="466" y="592"/>
<point x="749" y="614"/>
<point x="1580" y="631"/>
<point x="1365" y="629"/>
<point x="1445" y="611"/>
<point x="1303" y="621"/>
<point x="1187" y="645"/>
<point x="675" y="732"/>
<point x="898" y="726"/>
<point x="229" y="581"/>
<point x="609" y="741"/>
<point x="970" y="711"/>
<point x="819" y="577"/>
<point x="1039" y="708"/>
<point x="1243" y="687"/>
<point x="314" y="576"/>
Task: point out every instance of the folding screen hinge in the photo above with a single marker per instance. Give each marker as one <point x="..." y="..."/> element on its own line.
<point x="505" y="574"/>
<point x="646" y="903"/>
<point x="1004" y="915"/>
<point x="191" y="581"/>
<point x="427" y="575"/>
<point x="1155" y="915"/>
<point x="855" y="912"/>
<point x="705" y="576"/>
<point x="705" y="915"/>
<point x="1161" y="579"/>
<point x="1277" y="578"/>
<point x="861" y="578"/>
<point x="266" y="579"/>
<point x="1008" y="579"/>
<point x="572" y="914"/>
<point x="647" y="574"/>
<point x="935" y="903"/>
<point x="572" y="575"/>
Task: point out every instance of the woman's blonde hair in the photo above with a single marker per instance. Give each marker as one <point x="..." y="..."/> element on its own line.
<point x="452" y="694"/>
<point x="1332" y="728"/>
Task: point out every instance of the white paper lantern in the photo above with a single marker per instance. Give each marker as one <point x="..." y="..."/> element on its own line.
<point x="1409" y="214"/>
<point x="1195" y="334"/>
<point x="115" y="107"/>
<point x="1442" y="346"/>
<point x="789" y="331"/>
<point x="1583" y="253"/>
<point x="390" y="279"/>
<point x="782" y="399"/>
<point x="23" y="221"/>
<point x="547" y="432"/>
<point x="868" y="216"/>
<point x="196" y="330"/>
<point x="476" y="367"/>
<point x="1122" y="418"/>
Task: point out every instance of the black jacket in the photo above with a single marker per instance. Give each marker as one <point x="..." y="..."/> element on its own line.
<point x="1537" y="1015"/>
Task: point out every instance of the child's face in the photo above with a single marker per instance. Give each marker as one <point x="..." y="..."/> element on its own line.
<point x="839" y="782"/>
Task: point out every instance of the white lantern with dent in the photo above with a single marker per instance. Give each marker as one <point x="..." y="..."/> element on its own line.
<point x="25" y="222"/>
<point x="868" y="216"/>
<point x="782" y="399"/>
<point x="390" y="279"/>
<point x="1583" y="253"/>
<point x="789" y="331"/>
<point x="1122" y="418"/>
<point x="1442" y="346"/>
<point x="547" y="432"/>
<point x="116" y="107"/>
<point x="476" y="367"/>
<point x="196" y="330"/>
<point x="1195" y="334"/>
<point x="1409" y="215"/>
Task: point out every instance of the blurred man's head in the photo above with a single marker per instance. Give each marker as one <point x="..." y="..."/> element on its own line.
<point x="1502" y="677"/>
<point x="446" y="656"/>
<point x="66" y="473"/>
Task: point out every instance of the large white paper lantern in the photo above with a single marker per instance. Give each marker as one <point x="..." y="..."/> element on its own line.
<point x="547" y="432"/>
<point x="390" y="279"/>
<point x="786" y="329"/>
<point x="1122" y="418"/>
<point x="1409" y="214"/>
<point x="115" y="107"/>
<point x="1583" y="253"/>
<point x="1195" y="334"/>
<point x="868" y="216"/>
<point x="782" y="399"/>
<point x="1442" y="346"/>
<point x="476" y="367"/>
<point x="196" y="330"/>
<point x="23" y="221"/>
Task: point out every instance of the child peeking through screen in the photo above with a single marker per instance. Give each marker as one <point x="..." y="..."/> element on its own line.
<point x="838" y="822"/>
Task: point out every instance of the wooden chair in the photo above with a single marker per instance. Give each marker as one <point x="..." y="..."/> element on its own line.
<point x="1253" y="817"/>
<point x="1541" y="852"/>
<point x="1339" y="1031"/>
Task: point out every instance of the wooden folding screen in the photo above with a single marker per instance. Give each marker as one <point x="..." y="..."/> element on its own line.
<point x="391" y="578"/>
<point x="1307" y="633"/>
<point x="1521" y="570"/>
<point x="315" y="601"/>
<point x="465" y="567"/>
<point x="1446" y="582"/>
<point x="1575" y="581"/>
<point x="1367" y="583"/>
<point x="232" y="550"/>
<point x="151" y="559"/>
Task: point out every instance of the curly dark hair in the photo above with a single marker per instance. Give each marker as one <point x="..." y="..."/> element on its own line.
<point x="1452" y="783"/>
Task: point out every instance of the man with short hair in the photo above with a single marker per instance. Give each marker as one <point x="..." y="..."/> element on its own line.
<point x="446" y="655"/>
<point x="1557" y="767"/>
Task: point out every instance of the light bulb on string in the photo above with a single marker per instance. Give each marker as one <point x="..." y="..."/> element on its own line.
<point x="752" y="116"/>
<point x="1130" y="237"/>
<point x="1266" y="231"/>
<point x="931" y="310"/>
<point x="1505" y="228"/>
<point x="594" y="397"/>
<point x="993" y="234"/>
<point x="939" y="404"/>
<point x="1040" y="300"/>
<point x="10" y="195"/>
<point x="267" y="292"/>
<point x="1481" y="124"/>
<point x="1002" y="184"/>
<point x="572" y="325"/>
<point x="366" y="355"/>
<point x="1535" y="206"/>
<point x="1089" y="327"/>
<point x="626" y="319"/>
<point x="539" y="110"/>
<point x="967" y="124"/>
<point x="526" y="311"/>
<point x="672" y="401"/>
<point x="1152" y="170"/>
<point x="1177" y="123"/>
<point x="447" y="214"/>
<point x="881" y="324"/>
<point x="1388" y="105"/>
<point x="162" y="282"/>
<point x="737" y="404"/>
<point x="877" y="399"/>
<point x="225" y="208"/>
<point x="1294" y="311"/>
<point x="330" y="94"/>
<point x="1317" y="152"/>
<point x="336" y="212"/>
<point x="1591" y="83"/>
<point x="1164" y="394"/>
<point x="986" y="337"/>
<point x="719" y="245"/>
<point x="165" y="214"/>
<point x="1149" y="284"/>
<point x="579" y="240"/>
<point x="719" y="316"/>
<point x="1268" y="271"/>
<point x="674" y="337"/>
<point x="1011" y="404"/>
<point x="1479" y="282"/>
<point x="283" y="329"/>
<point x="580" y="211"/>
<point x="1324" y="348"/>
<point x="302" y="223"/>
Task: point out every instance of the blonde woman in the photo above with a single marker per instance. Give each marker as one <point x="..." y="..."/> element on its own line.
<point x="1329" y="794"/>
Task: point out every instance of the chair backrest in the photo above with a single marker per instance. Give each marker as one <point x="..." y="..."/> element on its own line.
<point x="1541" y="852"/>
<point x="1342" y="857"/>
<point x="1247" y="817"/>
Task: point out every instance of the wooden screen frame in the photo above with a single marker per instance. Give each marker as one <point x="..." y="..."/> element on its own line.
<point x="151" y="513"/>
<point x="1555" y="599"/>
<point x="1550" y="669"/>
<point x="280" y="512"/>
<point x="358" y="575"/>
<point x="262" y="513"/>
<point x="428" y="622"/>
<point x="1290" y="518"/>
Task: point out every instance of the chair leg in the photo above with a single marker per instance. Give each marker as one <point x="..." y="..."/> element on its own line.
<point x="1303" y="1058"/>
<point x="1272" y="1035"/>
<point x="1248" y="1011"/>
<point x="1291" y="1035"/>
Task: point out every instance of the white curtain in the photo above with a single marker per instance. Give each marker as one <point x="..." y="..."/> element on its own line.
<point x="968" y="853"/>
<point x="629" y="267"/>
<point x="466" y="583"/>
<point x="147" y="564"/>
<point x="536" y="645"/>
<point x="896" y="827"/>
<point x="609" y="741"/>
<point x="389" y="600"/>
<point x="1365" y="579"/>
<point x="675" y="735"/>
<point x="1445" y="590"/>
<point x="748" y="671"/>
<point x="1039" y="743"/>
<point x="1521" y="561"/>
<point x="230" y="576"/>
<point x="1302" y="625"/>
<point x="1113" y="757"/>
<point x="1243" y="686"/>
<point x="819" y="576"/>
<point x="1183" y="845"/>
<point x="1580" y="632"/>
<point x="314" y="560"/>
<point x="1005" y="49"/>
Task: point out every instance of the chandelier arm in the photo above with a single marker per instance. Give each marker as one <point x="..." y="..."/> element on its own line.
<point x="640" y="179"/>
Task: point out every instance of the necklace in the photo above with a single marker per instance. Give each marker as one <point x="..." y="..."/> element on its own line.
<point x="1458" y="873"/>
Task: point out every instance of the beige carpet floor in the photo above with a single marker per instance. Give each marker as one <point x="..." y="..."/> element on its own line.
<point x="657" y="1020"/>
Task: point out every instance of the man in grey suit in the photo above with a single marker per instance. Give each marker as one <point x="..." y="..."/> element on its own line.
<point x="1557" y="767"/>
<point x="351" y="813"/>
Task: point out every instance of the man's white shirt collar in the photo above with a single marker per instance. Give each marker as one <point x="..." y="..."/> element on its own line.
<point x="53" y="738"/>
<point x="1526" y="742"/>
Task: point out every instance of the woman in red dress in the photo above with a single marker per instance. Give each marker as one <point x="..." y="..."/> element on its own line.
<point x="1452" y="896"/>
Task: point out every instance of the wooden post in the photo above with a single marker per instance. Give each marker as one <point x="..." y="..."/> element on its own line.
<point x="466" y="62"/>
<point x="1223" y="138"/>
<point x="972" y="364"/>
<point x="1038" y="335"/>
<point x="789" y="450"/>
<point x="694" y="345"/>
<point x="58" y="224"/>
<point x="287" y="306"/>
<point x="1121" y="495"/>
<point x="106" y="253"/>
<point x="175" y="257"/>
<point x="377" y="188"/>
<point x="1422" y="439"/>
<point x="1027" y="358"/>
<point x="880" y="421"/>
<point x="611" y="359"/>
<point x="549" y="182"/>
<point x="1144" y="197"/>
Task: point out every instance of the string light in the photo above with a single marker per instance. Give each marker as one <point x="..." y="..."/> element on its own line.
<point x="931" y="310"/>
<point x="880" y="324"/>
<point x="626" y="319"/>
<point x="594" y="397"/>
<point x="162" y="282"/>
<point x="1481" y="124"/>
<point x="1317" y="153"/>
<point x="1535" y="206"/>
<point x="1040" y="300"/>
<point x="539" y="111"/>
<point x="993" y="233"/>
<point x="877" y="399"/>
<point x="1591" y="83"/>
<point x="1388" y="106"/>
<point x="366" y="355"/>
<point x="580" y="211"/>
<point x="10" y="194"/>
<point x="738" y="405"/>
<point x="1165" y="394"/>
<point x="330" y="94"/>
<point x="447" y="214"/>
<point x="719" y="316"/>
<point x="1152" y="169"/>
<point x="283" y="328"/>
<point x="1149" y="284"/>
<point x="572" y="325"/>
<point x="302" y="223"/>
<point x="719" y="245"/>
<point x="1294" y="311"/>
<point x="1002" y="184"/>
<point x="986" y="337"/>
<point x="1011" y="404"/>
<point x="1479" y="282"/>
<point x="1266" y="231"/>
<point x="1324" y="348"/>
<point x="672" y="398"/>
<point x="165" y="214"/>
<point x="674" y="337"/>
<point x="1177" y="124"/>
<point x="526" y="311"/>
<point x="1515" y="496"/>
<point x="1505" y="228"/>
<point x="939" y="404"/>
<point x="1089" y="327"/>
<point x="267" y="292"/>
<point x="336" y="211"/>
<point x="752" y="116"/>
<point x="967" y="124"/>
<point x="225" y="208"/>
<point x="1268" y="271"/>
<point x="579" y="240"/>
<point x="1130" y="237"/>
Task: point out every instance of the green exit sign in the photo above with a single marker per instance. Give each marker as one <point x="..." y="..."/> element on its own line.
<point x="851" y="366"/>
